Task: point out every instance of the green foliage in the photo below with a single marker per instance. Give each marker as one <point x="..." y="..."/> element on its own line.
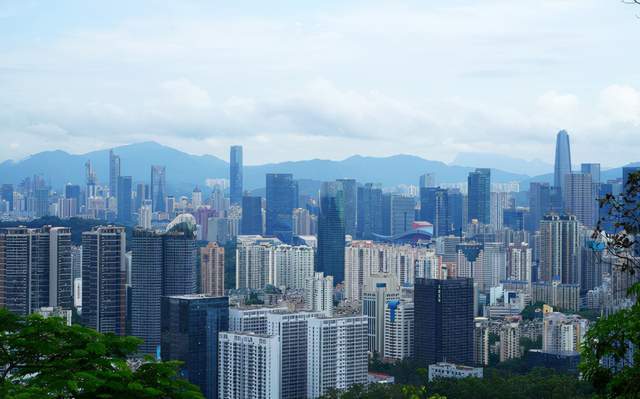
<point x="539" y="383"/>
<point x="606" y="357"/>
<point x="533" y="311"/>
<point x="45" y="358"/>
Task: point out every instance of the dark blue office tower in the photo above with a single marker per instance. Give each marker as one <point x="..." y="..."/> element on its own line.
<point x="562" y="165"/>
<point x="457" y="211"/>
<point x="479" y="187"/>
<point x="235" y="174"/>
<point x="72" y="191"/>
<point x="350" y="193"/>
<point x="434" y="208"/>
<point x="443" y="321"/>
<point x="190" y="327"/>
<point x="251" y="215"/>
<point x="331" y="231"/>
<point x="369" y="211"/>
<point x="281" y="199"/>
<point x="124" y="199"/>
<point x="539" y="204"/>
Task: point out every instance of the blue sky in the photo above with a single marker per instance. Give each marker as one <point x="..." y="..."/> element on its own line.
<point x="297" y="79"/>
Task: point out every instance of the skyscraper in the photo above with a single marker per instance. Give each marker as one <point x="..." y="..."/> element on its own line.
<point x="434" y="203"/>
<point x="114" y="173"/>
<point x="562" y="164"/>
<point x="190" y="327"/>
<point x="560" y="249"/>
<point x="103" y="279"/>
<point x="235" y="174"/>
<point x="331" y="231"/>
<point x="318" y="293"/>
<point x="593" y="169"/>
<point x="212" y="269"/>
<point x="6" y="194"/>
<point x="580" y="197"/>
<point x="72" y="192"/>
<point x="124" y="199"/>
<point x="375" y="297"/>
<point x="444" y="322"/>
<point x="539" y="203"/>
<point x="350" y="195"/>
<point x="281" y="199"/>
<point x="427" y="180"/>
<point x="142" y="194"/>
<point x="162" y="264"/>
<point x="35" y="269"/>
<point x="479" y="186"/>
<point x="369" y="211"/>
<point x="457" y="210"/>
<point x="403" y="213"/>
<point x="158" y="188"/>
<point x="251" y="223"/>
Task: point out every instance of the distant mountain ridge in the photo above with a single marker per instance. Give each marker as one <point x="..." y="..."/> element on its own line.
<point x="185" y="171"/>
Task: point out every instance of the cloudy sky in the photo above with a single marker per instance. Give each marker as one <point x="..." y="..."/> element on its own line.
<point x="326" y="79"/>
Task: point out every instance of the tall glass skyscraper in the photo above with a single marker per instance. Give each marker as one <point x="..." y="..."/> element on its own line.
<point x="190" y="327"/>
<point x="158" y="188"/>
<point x="124" y="198"/>
<point x="434" y="204"/>
<point x="162" y="264"/>
<point x="114" y="173"/>
<point x="350" y="195"/>
<point x="479" y="187"/>
<point x="562" y="164"/>
<point x="444" y="321"/>
<point x="251" y="215"/>
<point x="281" y="199"/>
<point x="235" y="174"/>
<point x="369" y="211"/>
<point x="331" y="231"/>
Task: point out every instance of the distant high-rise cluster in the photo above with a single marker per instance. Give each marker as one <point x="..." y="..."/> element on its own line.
<point x="279" y="286"/>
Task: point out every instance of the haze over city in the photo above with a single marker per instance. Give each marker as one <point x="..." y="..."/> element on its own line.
<point x="326" y="80"/>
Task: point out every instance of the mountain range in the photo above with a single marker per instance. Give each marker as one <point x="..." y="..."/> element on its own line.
<point x="185" y="171"/>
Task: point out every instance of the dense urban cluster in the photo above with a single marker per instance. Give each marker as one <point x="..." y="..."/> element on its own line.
<point x="290" y="294"/>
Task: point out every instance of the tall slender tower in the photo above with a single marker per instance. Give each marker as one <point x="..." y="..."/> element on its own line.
<point x="562" y="164"/>
<point x="235" y="174"/>
<point x="331" y="231"/>
<point x="479" y="204"/>
<point x="114" y="173"/>
<point x="158" y="188"/>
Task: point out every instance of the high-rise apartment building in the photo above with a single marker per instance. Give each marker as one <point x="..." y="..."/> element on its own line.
<point x="35" y="269"/>
<point x="190" y="328"/>
<point x="398" y="329"/>
<point x="510" y="333"/>
<point x="212" y="269"/>
<point x="248" y="366"/>
<point x="291" y="266"/>
<point x="318" y="293"/>
<point x="158" y="188"/>
<point x="292" y="329"/>
<point x="281" y="200"/>
<point x="331" y="231"/>
<point x="481" y="342"/>
<point x="479" y="193"/>
<point x="251" y="319"/>
<point x="337" y="354"/>
<point x="560" y="249"/>
<point x="580" y="198"/>
<point x="562" y="333"/>
<point x="444" y="321"/>
<point x="235" y="174"/>
<point x="375" y="298"/>
<point x="251" y="223"/>
<point x="104" y="279"/>
<point x="519" y="262"/>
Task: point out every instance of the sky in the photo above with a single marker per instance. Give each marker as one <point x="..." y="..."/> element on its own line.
<point x="293" y="80"/>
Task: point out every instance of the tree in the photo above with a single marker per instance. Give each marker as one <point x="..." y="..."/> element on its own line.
<point x="45" y="358"/>
<point x="611" y="350"/>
